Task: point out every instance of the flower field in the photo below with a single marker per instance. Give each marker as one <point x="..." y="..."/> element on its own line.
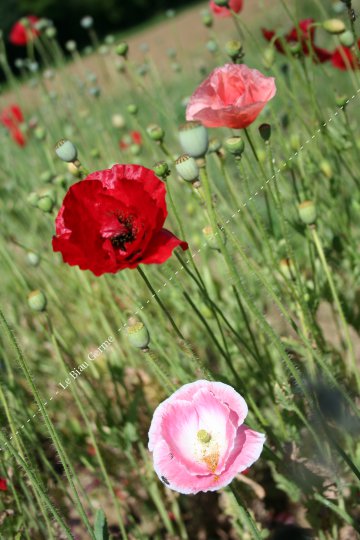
<point x="180" y="269"/>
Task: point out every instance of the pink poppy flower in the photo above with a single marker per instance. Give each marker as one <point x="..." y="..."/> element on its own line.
<point x="232" y="96"/>
<point x="198" y="439"/>
<point x="234" y="5"/>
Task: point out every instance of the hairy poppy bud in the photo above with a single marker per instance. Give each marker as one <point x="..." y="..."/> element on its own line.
<point x="132" y="109"/>
<point x="87" y="22"/>
<point x="307" y="212"/>
<point x="66" y="151"/>
<point x="155" y="132"/>
<point x="138" y="334"/>
<point x="347" y="38"/>
<point x="265" y="132"/>
<point x="334" y="26"/>
<point x="37" y="300"/>
<point x="187" y="168"/>
<point x="234" y="49"/>
<point x="194" y="139"/>
<point x="161" y="169"/>
<point x="122" y="49"/>
<point x="235" y="146"/>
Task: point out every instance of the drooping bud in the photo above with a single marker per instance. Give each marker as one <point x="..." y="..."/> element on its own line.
<point x="347" y="38"/>
<point x="234" y="49"/>
<point x="265" y="132"/>
<point x="66" y="151"/>
<point x="307" y="212"/>
<point x="132" y="109"/>
<point x="155" y="132"/>
<point x="137" y="333"/>
<point x="187" y="168"/>
<point x="334" y="26"/>
<point x="122" y="49"/>
<point x="235" y="146"/>
<point x="194" y="139"/>
<point x="161" y="169"/>
<point x="37" y="300"/>
<point x="268" y="57"/>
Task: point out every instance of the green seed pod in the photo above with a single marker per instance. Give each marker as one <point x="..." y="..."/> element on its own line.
<point x="132" y="109"/>
<point x="137" y="333"/>
<point x="326" y="169"/>
<point x="122" y="49"/>
<point x="37" y="300"/>
<point x="214" y="145"/>
<point x="46" y="177"/>
<point x="207" y="20"/>
<point x="46" y="204"/>
<point x="334" y="26"/>
<point x="194" y="139"/>
<point x="33" y="258"/>
<point x="155" y="132"/>
<point x="135" y="149"/>
<point x="268" y="58"/>
<point x="66" y="151"/>
<point x="307" y="212"/>
<point x="161" y="169"/>
<point x="234" y="49"/>
<point x="60" y="180"/>
<point x="187" y="168"/>
<point x="265" y="132"/>
<point x="234" y="145"/>
<point x="347" y="38"/>
<point x="33" y="198"/>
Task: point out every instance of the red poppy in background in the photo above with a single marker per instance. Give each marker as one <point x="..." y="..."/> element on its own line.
<point x="305" y="35"/>
<point x="11" y="117"/>
<point x="24" y="30"/>
<point x="114" y="220"/>
<point x="234" y="5"/>
<point x="135" y="137"/>
<point x="3" y="484"/>
<point x="343" y="58"/>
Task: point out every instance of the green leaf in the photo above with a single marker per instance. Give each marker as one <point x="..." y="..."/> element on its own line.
<point x="101" y="528"/>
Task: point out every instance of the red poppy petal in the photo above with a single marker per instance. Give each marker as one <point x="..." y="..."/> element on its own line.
<point x="161" y="247"/>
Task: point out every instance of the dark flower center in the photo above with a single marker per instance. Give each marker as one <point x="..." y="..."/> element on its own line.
<point x="126" y="234"/>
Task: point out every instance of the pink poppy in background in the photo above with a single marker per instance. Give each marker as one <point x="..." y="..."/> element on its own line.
<point x="232" y="96"/>
<point x="305" y="35"/>
<point x="24" y="30"/>
<point x="234" y="5"/>
<point x="198" y="439"/>
<point x="343" y="58"/>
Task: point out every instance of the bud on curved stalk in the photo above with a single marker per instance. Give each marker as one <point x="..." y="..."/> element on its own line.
<point x="334" y="26"/>
<point x="234" y="49"/>
<point x="161" y="169"/>
<point x="156" y="133"/>
<point x="122" y="49"/>
<point x="37" y="301"/>
<point x="138" y="334"/>
<point x="187" y="168"/>
<point x="194" y="139"/>
<point x="307" y="212"/>
<point x="265" y="132"/>
<point x="235" y="146"/>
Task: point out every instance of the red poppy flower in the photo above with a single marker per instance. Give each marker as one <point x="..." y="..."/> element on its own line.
<point x="24" y="30"/>
<point x="343" y="58"/>
<point x="3" y="484"/>
<point x="135" y="138"/>
<point x="114" y="220"/>
<point x="11" y="117"/>
<point x="18" y="136"/>
<point x="232" y="96"/>
<point x="220" y="11"/>
<point x="305" y="34"/>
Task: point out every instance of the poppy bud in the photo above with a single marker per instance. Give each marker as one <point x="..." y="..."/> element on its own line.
<point x="207" y="20"/>
<point x="214" y="145"/>
<point x="135" y="149"/>
<point x="37" y="300"/>
<point x="33" y="258"/>
<point x="212" y="46"/>
<point x="51" y="32"/>
<point x="187" y="168"/>
<point x="234" y="49"/>
<point x="295" y="142"/>
<point x="194" y="139"/>
<point x="73" y="170"/>
<point x="334" y="26"/>
<point x="137" y="333"/>
<point x="341" y="101"/>
<point x="70" y="45"/>
<point x="268" y="57"/>
<point x="265" y="132"/>
<point x="221" y="3"/>
<point x="46" y="204"/>
<point x="295" y="48"/>
<point x="210" y="237"/>
<point x="40" y="133"/>
<point x="60" y="180"/>
<point x="132" y="109"/>
<point x="87" y="22"/>
<point x="46" y="177"/>
<point x="287" y="268"/>
<point x="307" y="212"/>
<point x="235" y="146"/>
<point x="155" y="132"/>
<point x="122" y="49"/>
<point x="326" y="169"/>
<point x="161" y="169"/>
<point x="66" y="151"/>
<point x="347" y="38"/>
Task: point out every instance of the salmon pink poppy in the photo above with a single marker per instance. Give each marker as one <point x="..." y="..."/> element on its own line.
<point x="343" y="58"/>
<point x="223" y="11"/>
<point x="114" y="220"/>
<point x="198" y="439"/>
<point x="232" y="96"/>
<point x="305" y="35"/>
<point x="24" y="30"/>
